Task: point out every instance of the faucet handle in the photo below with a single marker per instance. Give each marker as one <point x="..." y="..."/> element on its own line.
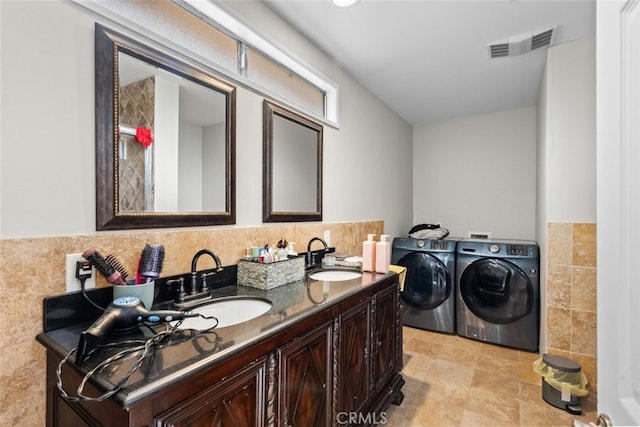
<point x="180" y="281"/>
<point x="205" y="287"/>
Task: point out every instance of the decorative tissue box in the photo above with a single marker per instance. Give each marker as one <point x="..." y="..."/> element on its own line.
<point x="271" y="275"/>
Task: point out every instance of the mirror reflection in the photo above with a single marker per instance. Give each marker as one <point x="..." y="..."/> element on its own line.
<point x="165" y="139"/>
<point x="292" y="182"/>
<point x="171" y="149"/>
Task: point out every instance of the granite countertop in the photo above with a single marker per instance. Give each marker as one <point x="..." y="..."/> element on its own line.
<point x="188" y="352"/>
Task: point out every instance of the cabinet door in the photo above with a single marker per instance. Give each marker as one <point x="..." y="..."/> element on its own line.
<point x="236" y="401"/>
<point x="305" y="378"/>
<point x="354" y="364"/>
<point x="387" y="336"/>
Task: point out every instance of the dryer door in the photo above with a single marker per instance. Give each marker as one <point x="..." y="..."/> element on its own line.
<point x="496" y="290"/>
<point x="428" y="283"/>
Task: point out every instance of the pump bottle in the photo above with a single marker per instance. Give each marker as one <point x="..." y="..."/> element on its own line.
<point x="369" y="254"/>
<point x="383" y="254"/>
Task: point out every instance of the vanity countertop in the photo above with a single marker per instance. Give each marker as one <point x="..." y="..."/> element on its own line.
<point x="186" y="353"/>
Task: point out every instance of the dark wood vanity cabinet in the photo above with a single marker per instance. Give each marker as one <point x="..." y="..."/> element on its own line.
<point x="235" y="401"/>
<point x="305" y="380"/>
<point x="319" y="371"/>
<point x="353" y="376"/>
<point x="387" y="337"/>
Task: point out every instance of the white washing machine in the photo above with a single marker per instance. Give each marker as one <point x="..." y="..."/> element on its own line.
<point x="428" y="297"/>
<point x="498" y="292"/>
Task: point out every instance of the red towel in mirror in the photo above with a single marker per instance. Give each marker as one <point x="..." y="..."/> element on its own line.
<point x="143" y="136"/>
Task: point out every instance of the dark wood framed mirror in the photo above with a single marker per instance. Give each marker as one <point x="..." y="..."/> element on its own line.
<point x="292" y="166"/>
<point x="165" y="139"/>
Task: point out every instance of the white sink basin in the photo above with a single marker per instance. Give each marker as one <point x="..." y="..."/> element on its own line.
<point x="335" y="275"/>
<point x="229" y="311"/>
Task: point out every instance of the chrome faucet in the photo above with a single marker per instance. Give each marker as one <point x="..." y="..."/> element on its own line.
<point x="310" y="258"/>
<point x="194" y="271"/>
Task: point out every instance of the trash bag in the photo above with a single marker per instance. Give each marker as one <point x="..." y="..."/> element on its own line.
<point x="574" y="383"/>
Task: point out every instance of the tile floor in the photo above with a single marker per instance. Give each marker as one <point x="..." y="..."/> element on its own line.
<point x="455" y="381"/>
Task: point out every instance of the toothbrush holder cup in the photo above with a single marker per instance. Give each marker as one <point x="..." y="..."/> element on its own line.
<point x="144" y="291"/>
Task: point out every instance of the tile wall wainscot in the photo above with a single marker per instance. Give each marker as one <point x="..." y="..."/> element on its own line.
<point x="571" y="296"/>
<point x="34" y="268"/>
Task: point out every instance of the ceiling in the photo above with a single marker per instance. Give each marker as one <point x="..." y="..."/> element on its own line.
<point x="428" y="60"/>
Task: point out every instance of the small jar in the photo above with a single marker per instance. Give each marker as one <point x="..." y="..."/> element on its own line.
<point x="329" y="261"/>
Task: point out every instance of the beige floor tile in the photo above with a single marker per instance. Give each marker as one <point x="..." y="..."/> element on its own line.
<point x="467" y="343"/>
<point x="461" y="356"/>
<point x="526" y="372"/>
<point x="434" y="337"/>
<point x="459" y="382"/>
<point x="501" y="408"/>
<point x="494" y="363"/>
<point x="408" y="333"/>
<point x="417" y="366"/>
<point x="498" y="352"/>
<point x="471" y="418"/>
<point x="542" y="414"/>
<point x="449" y="394"/>
<point x="445" y="372"/>
<point x="493" y="382"/>
<point x="530" y="392"/>
<point x="421" y="346"/>
<point x="395" y="417"/>
<point x="439" y="414"/>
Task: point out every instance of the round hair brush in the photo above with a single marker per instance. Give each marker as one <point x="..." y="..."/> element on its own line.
<point x="151" y="262"/>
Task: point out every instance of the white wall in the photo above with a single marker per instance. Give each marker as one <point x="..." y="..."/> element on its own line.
<point x="477" y="174"/>
<point x="47" y="141"/>
<point x="190" y="167"/>
<point x="213" y="167"/>
<point x="47" y="107"/>
<point x="566" y="179"/>
<point x="570" y="143"/>
<point x="541" y="206"/>
<point x="166" y="135"/>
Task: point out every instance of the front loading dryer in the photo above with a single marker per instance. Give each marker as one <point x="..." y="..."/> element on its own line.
<point x="428" y="296"/>
<point x="498" y="292"/>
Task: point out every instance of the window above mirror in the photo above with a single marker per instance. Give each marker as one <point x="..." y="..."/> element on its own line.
<point x="211" y="33"/>
<point x="253" y="47"/>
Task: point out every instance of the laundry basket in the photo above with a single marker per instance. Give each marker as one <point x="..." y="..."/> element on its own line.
<point x="563" y="383"/>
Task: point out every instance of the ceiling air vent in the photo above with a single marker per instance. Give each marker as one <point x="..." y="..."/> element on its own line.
<point x="541" y="39"/>
<point x="521" y="44"/>
<point x="499" y="49"/>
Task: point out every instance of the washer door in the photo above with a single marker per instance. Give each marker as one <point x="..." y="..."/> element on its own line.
<point x="427" y="284"/>
<point x="496" y="290"/>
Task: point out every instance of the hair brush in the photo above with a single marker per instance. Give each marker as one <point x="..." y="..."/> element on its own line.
<point x="117" y="266"/>
<point x="151" y="262"/>
<point x="107" y="270"/>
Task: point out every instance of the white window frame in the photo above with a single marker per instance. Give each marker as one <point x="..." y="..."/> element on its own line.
<point x="217" y="16"/>
<point x="225" y="21"/>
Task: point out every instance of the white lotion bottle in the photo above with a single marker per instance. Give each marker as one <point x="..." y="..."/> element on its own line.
<point x="383" y="254"/>
<point x="369" y="254"/>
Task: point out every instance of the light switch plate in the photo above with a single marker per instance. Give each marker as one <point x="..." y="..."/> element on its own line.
<point x="73" y="284"/>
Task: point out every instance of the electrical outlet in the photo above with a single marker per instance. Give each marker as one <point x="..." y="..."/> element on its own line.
<point x="327" y="237"/>
<point x="73" y="284"/>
